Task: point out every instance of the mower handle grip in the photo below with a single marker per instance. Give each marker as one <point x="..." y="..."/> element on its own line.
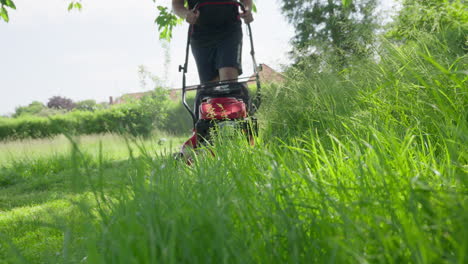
<point x="238" y="3"/>
<point x="241" y="5"/>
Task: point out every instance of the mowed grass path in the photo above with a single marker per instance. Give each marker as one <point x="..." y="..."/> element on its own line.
<point x="38" y="191"/>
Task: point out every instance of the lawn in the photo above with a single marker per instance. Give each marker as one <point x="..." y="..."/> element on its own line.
<point x="320" y="200"/>
<point x="41" y="201"/>
<point x="365" y="165"/>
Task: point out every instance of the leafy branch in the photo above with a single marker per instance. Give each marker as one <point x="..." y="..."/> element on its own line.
<point x="3" y="11"/>
<point x="166" y="20"/>
<point x="4" y="4"/>
<point x="74" y="5"/>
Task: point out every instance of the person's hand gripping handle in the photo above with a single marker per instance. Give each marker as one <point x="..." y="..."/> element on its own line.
<point x="247" y="16"/>
<point x="192" y="16"/>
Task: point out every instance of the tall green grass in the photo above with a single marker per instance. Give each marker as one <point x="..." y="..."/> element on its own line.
<point x="384" y="200"/>
<point x="366" y="165"/>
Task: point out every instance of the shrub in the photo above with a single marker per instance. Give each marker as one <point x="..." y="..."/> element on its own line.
<point x="138" y="118"/>
<point x="87" y="105"/>
<point x="178" y="119"/>
<point x="59" y="102"/>
<point x="32" y="109"/>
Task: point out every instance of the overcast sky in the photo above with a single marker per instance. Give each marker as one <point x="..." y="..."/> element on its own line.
<point x="95" y="53"/>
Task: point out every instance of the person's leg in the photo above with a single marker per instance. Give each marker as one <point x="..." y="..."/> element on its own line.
<point x="205" y="58"/>
<point x="229" y="57"/>
<point x="228" y="74"/>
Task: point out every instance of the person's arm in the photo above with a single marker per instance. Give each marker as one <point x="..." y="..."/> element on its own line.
<point x="247" y="15"/>
<point x="191" y="16"/>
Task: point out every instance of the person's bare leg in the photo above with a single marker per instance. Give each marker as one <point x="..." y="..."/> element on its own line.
<point x="228" y="74"/>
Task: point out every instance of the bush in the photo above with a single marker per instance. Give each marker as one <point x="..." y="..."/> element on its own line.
<point x="32" y="109"/>
<point x="138" y="118"/>
<point x="179" y="120"/>
<point x="87" y="105"/>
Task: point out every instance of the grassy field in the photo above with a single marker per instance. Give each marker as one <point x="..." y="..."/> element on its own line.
<point x="41" y="201"/>
<point x="384" y="200"/>
<point x="366" y="165"/>
<point x="113" y="146"/>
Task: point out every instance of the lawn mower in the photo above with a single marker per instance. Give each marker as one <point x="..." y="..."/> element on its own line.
<point x="220" y="105"/>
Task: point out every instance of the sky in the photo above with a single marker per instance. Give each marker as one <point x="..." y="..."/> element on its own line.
<point x="95" y="53"/>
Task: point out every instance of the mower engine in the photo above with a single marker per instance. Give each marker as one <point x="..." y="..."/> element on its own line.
<point x="219" y="108"/>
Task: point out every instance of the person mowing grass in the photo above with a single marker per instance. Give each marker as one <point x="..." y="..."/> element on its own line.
<point x="216" y="37"/>
<point x="216" y="40"/>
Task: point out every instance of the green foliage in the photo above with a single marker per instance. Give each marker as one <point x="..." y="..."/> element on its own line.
<point x="9" y="3"/>
<point x="364" y="166"/>
<point x="87" y="105"/>
<point x="138" y="118"/>
<point x="391" y="198"/>
<point x="40" y="200"/>
<point x="178" y="120"/>
<point x="431" y="16"/>
<point x="368" y="166"/>
<point x="58" y="102"/>
<point x="446" y="19"/>
<point x="33" y="108"/>
<point x="420" y="87"/>
<point x="166" y="21"/>
<point x="3" y="11"/>
<point x="338" y="28"/>
<point x="74" y="5"/>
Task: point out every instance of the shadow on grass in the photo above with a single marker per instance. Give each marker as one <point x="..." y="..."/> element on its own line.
<point x="39" y="181"/>
<point x="47" y="204"/>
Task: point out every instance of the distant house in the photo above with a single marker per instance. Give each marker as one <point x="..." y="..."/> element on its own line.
<point x="267" y="76"/>
<point x="128" y="97"/>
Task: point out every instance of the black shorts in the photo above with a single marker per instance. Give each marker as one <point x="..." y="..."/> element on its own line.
<point x="226" y="52"/>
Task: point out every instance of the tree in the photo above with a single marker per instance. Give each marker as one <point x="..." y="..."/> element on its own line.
<point x="33" y="108"/>
<point x="338" y="28"/>
<point x="58" y="102"/>
<point x="87" y="105"/>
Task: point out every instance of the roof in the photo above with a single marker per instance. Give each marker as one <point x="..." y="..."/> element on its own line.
<point x="268" y="75"/>
<point x="124" y="98"/>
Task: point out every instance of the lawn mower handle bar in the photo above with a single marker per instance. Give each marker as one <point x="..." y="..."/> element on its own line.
<point x="184" y="68"/>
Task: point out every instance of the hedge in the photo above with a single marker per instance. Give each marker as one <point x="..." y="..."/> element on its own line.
<point x="137" y="118"/>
